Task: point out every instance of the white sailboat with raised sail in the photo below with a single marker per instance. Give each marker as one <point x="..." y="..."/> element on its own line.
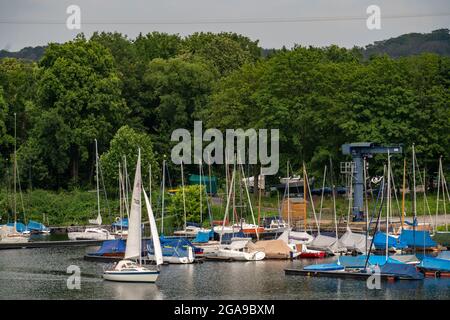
<point x="131" y="269"/>
<point x="93" y="233"/>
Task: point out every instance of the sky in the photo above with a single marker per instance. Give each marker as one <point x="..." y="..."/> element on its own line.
<point x="273" y="22"/>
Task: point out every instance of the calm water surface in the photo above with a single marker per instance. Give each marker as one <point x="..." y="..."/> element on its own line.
<point x="41" y="274"/>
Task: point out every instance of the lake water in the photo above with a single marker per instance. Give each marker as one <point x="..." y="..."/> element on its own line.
<point x="41" y="274"/>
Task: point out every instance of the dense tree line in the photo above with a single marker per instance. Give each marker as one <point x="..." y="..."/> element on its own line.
<point x="116" y="89"/>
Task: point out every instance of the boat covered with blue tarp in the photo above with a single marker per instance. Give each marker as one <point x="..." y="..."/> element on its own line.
<point x="35" y="226"/>
<point x="434" y="264"/>
<point x="174" y="250"/>
<point x="121" y="223"/>
<point x="20" y="227"/>
<point x="324" y="267"/>
<point x="203" y="236"/>
<point x="419" y="238"/>
<point x="379" y="241"/>
<point x="360" y="261"/>
<point x="401" y="270"/>
<point x="111" y="248"/>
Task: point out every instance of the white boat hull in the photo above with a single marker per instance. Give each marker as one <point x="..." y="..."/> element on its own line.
<point x="129" y="276"/>
<point x="241" y="256"/>
<point x="174" y="260"/>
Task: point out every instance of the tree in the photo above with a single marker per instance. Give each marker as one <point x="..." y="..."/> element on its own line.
<point x="176" y="90"/>
<point x="79" y="95"/>
<point x="126" y="143"/>
<point x="192" y="202"/>
<point x="225" y="51"/>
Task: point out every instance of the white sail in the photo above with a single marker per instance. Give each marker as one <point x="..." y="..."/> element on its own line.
<point x="154" y="230"/>
<point x="133" y="248"/>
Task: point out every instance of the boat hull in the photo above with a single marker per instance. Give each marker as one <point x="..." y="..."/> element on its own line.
<point x="129" y="276"/>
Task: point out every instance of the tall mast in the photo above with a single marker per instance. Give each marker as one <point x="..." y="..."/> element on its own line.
<point x="259" y="196"/>
<point x="15" y="163"/>
<point x="334" y="199"/>
<point x="414" y="196"/>
<point x="366" y="207"/>
<point x="150" y="183"/>
<point x="98" y="187"/>
<point x="404" y="192"/>
<point x="388" y="204"/>
<point x="201" y="188"/>
<point x="162" y="196"/>
<point x="305" y="196"/>
<point x="120" y="201"/>
<point x="321" y="198"/>
<point x="184" y="199"/>
<point x="225" y="216"/>
<point x="210" y="192"/>
<point x="288" y="198"/>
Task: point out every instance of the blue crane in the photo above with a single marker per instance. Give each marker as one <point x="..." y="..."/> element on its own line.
<point x="359" y="151"/>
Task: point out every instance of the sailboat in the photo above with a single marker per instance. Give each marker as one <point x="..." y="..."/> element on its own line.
<point x="9" y="233"/>
<point x="240" y="250"/>
<point x="131" y="269"/>
<point x="93" y="233"/>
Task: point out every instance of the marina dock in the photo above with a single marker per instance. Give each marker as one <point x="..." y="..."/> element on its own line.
<point x="47" y="244"/>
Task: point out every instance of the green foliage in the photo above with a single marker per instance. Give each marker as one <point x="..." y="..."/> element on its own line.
<point x="225" y="51"/>
<point x="192" y="200"/>
<point x="126" y="143"/>
<point x="79" y="96"/>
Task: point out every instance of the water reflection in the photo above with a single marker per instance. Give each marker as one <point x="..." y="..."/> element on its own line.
<point x="134" y="291"/>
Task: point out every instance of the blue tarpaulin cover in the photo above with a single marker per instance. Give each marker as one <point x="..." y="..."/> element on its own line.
<point x="172" y="247"/>
<point x="324" y="267"/>
<point x="20" y="227"/>
<point x="401" y="270"/>
<point x="430" y="263"/>
<point x="379" y="241"/>
<point x="203" y="236"/>
<point x="36" y="226"/>
<point x="111" y="246"/>
<point x="360" y="261"/>
<point x="421" y="238"/>
<point x="121" y="223"/>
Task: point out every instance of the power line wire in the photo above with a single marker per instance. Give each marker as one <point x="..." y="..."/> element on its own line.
<point x="223" y="20"/>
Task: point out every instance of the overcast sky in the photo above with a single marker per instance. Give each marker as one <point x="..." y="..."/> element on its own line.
<point x="342" y="22"/>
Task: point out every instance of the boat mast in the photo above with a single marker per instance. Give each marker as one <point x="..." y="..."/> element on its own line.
<point x="120" y="201"/>
<point x="388" y="204"/>
<point x="404" y="193"/>
<point x="201" y="188"/>
<point x="366" y="207"/>
<point x="321" y="198"/>
<point x="414" y="196"/>
<point x="334" y="199"/>
<point x="15" y="163"/>
<point x="250" y="202"/>
<point x="227" y="207"/>
<point x="150" y="182"/>
<point x="162" y="196"/>
<point x="259" y="196"/>
<point x="99" y="217"/>
<point x="210" y="193"/>
<point x="184" y="198"/>
<point x="305" y="197"/>
<point x="288" y="196"/>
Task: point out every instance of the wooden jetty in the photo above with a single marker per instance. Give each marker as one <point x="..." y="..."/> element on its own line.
<point x="47" y="244"/>
<point x="341" y="274"/>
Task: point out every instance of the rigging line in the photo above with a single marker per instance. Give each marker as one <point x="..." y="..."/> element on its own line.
<point x="422" y="181"/>
<point x="224" y="20"/>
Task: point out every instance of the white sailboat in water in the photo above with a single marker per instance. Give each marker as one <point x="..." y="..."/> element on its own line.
<point x="96" y="233"/>
<point x="131" y="269"/>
